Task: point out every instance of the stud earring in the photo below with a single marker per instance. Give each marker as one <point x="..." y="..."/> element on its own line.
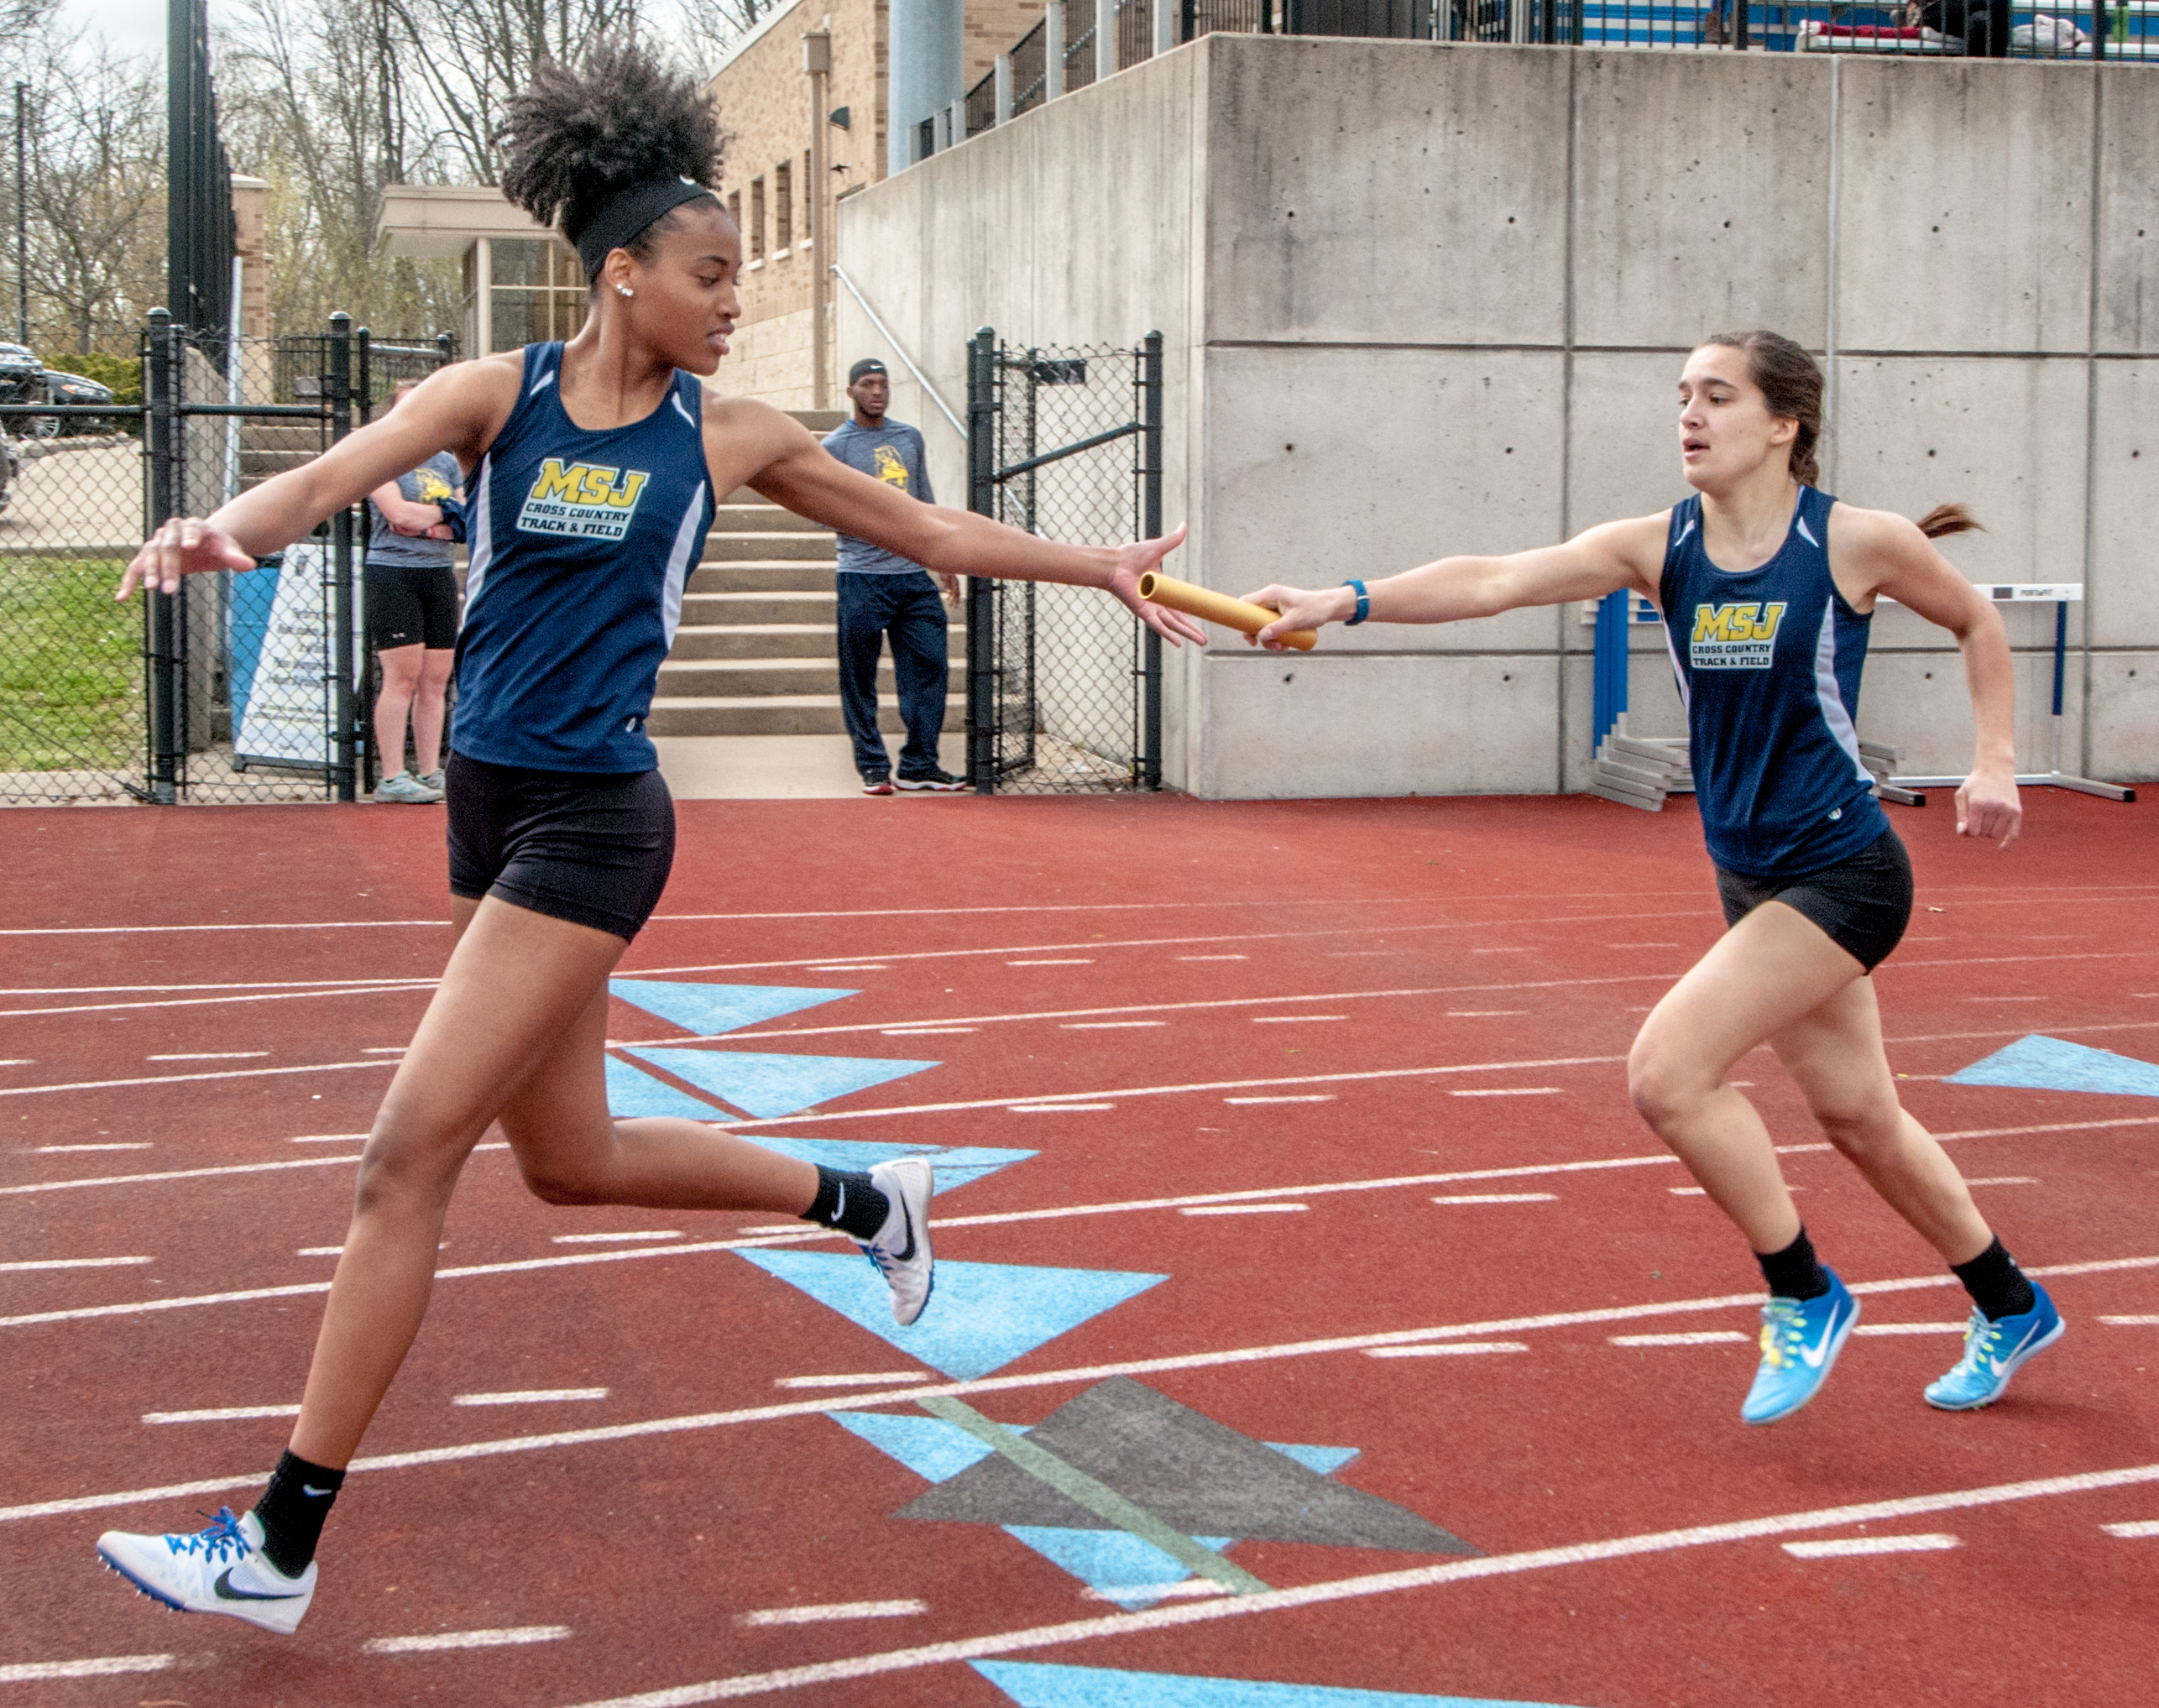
<point x="625" y="290"/>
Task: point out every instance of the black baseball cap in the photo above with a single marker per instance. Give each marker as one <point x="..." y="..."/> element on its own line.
<point x="862" y="370"/>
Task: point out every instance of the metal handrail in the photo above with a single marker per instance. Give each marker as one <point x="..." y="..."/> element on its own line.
<point x="885" y="332"/>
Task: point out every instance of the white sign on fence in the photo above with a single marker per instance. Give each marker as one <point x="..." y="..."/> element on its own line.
<point x="287" y="718"/>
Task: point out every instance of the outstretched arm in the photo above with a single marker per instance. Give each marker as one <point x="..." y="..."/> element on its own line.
<point x="459" y="408"/>
<point x="1606" y="558"/>
<point x="750" y="444"/>
<point x="1887" y="557"/>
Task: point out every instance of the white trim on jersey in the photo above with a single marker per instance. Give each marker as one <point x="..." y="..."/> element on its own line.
<point x="1831" y="696"/>
<point x="480" y="537"/>
<point x="687" y="537"/>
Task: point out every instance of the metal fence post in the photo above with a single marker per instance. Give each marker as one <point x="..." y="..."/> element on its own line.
<point x="981" y="612"/>
<point x="363" y="383"/>
<point x="445" y="349"/>
<point x="1150" y="766"/>
<point x="344" y="732"/>
<point x="162" y="616"/>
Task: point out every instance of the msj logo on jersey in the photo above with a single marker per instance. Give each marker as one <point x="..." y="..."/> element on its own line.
<point x="1740" y="636"/>
<point x="584" y="499"/>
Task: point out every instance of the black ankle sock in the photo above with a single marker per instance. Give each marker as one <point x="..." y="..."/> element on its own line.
<point x="1794" y="1272"/>
<point x="1997" y="1285"/>
<point x="848" y="1202"/>
<point x="292" y="1509"/>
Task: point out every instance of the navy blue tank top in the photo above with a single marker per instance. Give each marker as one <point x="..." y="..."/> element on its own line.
<point x="581" y="544"/>
<point x="1769" y="662"/>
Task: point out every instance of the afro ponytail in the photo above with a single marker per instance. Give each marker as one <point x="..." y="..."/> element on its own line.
<point x="579" y="137"/>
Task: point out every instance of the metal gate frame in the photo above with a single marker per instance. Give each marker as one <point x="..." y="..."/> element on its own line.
<point x="987" y="364"/>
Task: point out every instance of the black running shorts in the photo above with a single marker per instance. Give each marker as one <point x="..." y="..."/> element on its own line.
<point x="1863" y="902"/>
<point x="411" y="605"/>
<point x="593" y="848"/>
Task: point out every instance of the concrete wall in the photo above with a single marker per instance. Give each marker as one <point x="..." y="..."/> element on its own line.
<point x="1430" y="298"/>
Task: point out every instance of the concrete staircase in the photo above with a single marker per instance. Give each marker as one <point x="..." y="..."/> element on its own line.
<point x="754" y="655"/>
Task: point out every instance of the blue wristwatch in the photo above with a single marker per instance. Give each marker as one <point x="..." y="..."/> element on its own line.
<point x="1363" y="603"/>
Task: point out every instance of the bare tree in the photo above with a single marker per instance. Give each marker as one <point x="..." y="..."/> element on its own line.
<point x="712" y="27"/>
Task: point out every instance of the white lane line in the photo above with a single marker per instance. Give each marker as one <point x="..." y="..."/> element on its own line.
<point x="1448" y="1349"/>
<point x="221" y="1414"/>
<point x="1508" y="1091"/>
<point x="1699" y="1337"/>
<point x="1084" y="1374"/>
<point x="1845" y="1547"/>
<point x="1109" y="1025"/>
<point x="1307" y="1097"/>
<point x="1183" y="1591"/>
<point x="1500" y="1197"/>
<point x="1241" y="1210"/>
<point x="213" y="1055"/>
<point x="70" y="1263"/>
<point x="872" y="967"/>
<point x="1482" y="1013"/>
<point x="871" y="1380"/>
<point x="607" y="1239"/>
<point x="2004" y="999"/>
<point x="19" y="1061"/>
<point x="77" y="1150"/>
<point x="1210" y="1608"/>
<point x="1221" y="957"/>
<point x="212" y="984"/>
<point x="401" y="984"/>
<point x="924" y="1032"/>
<point x="1689" y="1191"/>
<point x="2131" y="1322"/>
<point x="530" y="1396"/>
<point x="2006" y="1180"/>
<point x="1641" y="946"/>
<point x="2131" y="1532"/>
<point x="187" y="1078"/>
<point x="319" y="1252"/>
<point x="385" y="1049"/>
<point x="1517" y="950"/>
<point x="834" y="1610"/>
<point x="1910" y="1328"/>
<point x="158" y="930"/>
<point x="465" y="1639"/>
<point x="177" y="1174"/>
<point x="1295" y="1019"/>
<point x="28" y="1672"/>
<point x="1081" y="961"/>
<point x="332" y="1138"/>
<point x="1057" y="1107"/>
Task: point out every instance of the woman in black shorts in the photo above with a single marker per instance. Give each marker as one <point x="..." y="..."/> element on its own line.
<point x="592" y="469"/>
<point x="1767" y="587"/>
<point x="411" y="597"/>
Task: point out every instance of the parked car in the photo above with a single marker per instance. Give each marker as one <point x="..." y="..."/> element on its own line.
<point x="22" y="380"/>
<point x="64" y="388"/>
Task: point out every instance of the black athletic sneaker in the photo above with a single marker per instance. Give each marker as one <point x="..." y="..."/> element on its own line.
<point x="933" y="783"/>
<point x="878" y="784"/>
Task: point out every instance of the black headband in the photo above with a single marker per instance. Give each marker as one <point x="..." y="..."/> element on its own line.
<point x="618" y="224"/>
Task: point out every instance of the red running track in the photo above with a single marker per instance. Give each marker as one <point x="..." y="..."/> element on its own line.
<point x="1632" y="1533"/>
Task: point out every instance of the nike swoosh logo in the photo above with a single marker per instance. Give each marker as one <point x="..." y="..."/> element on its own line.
<point x="840" y="1209"/>
<point x="1820" y="1349"/>
<point x="226" y="1592"/>
<point x="908" y="1256"/>
<point x="309" y="1488"/>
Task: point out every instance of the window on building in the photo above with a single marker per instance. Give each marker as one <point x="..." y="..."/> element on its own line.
<point x="783" y="212"/>
<point x="756" y="219"/>
<point x="734" y="208"/>
<point x="536" y="293"/>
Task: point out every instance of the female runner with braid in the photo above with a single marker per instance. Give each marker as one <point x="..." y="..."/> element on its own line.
<point x="591" y="470"/>
<point x="1767" y="587"/>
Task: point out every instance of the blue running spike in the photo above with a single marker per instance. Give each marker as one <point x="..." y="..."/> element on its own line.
<point x="707" y="1009"/>
<point x="769" y="1086"/>
<point x="1037" y="1685"/>
<point x="2048" y="1064"/>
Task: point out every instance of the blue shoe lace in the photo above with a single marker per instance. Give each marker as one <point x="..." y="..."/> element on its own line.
<point x="1784" y="1328"/>
<point x="1979" y="1338"/>
<point x="223" y="1533"/>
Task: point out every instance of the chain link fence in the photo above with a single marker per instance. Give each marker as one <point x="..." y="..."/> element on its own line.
<point x="1064" y="689"/>
<point x="242" y="687"/>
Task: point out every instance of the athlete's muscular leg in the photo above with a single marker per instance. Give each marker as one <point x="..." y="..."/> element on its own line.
<point x="1771" y="969"/>
<point x="573" y="1153"/>
<point x="1835" y="1054"/>
<point x="515" y="982"/>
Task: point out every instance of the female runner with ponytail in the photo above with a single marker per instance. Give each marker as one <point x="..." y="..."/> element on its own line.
<point x="592" y="468"/>
<point x="1767" y="587"/>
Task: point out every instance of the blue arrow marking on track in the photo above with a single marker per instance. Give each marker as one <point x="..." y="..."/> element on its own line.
<point x="768" y="1086"/>
<point x="2049" y="1064"/>
<point x="984" y="1316"/>
<point x="1035" y="1684"/>
<point x="717" y="1008"/>
<point x="631" y="1093"/>
<point x="929" y="1447"/>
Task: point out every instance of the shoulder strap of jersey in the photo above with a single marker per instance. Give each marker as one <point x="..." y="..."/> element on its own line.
<point x="1812" y="523"/>
<point x="1685" y="519"/>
